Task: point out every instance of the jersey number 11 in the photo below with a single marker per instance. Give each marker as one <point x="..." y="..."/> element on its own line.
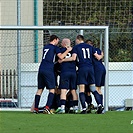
<point x="86" y="53"/>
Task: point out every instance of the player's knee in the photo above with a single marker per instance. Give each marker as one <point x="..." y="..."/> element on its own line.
<point x="39" y="91"/>
<point x="92" y="88"/>
<point x="63" y="92"/>
<point x="98" y="90"/>
<point x="52" y="91"/>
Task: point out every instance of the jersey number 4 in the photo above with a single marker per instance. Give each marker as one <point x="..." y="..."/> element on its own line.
<point x="86" y="53"/>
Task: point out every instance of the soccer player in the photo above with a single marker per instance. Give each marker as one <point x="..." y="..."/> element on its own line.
<point x="84" y="53"/>
<point x="46" y="75"/>
<point x="99" y="72"/>
<point x="68" y="79"/>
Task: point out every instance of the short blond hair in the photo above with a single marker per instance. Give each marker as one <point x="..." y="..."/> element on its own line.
<point x="66" y="42"/>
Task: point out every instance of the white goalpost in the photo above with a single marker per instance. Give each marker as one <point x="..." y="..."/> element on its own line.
<point x="104" y="35"/>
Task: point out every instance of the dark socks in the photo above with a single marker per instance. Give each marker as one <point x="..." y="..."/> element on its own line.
<point x="97" y="97"/>
<point x="63" y="102"/>
<point x="82" y="99"/>
<point x="37" y="100"/>
<point x="75" y="103"/>
<point x="101" y="95"/>
<point x="50" y="99"/>
<point x="88" y="99"/>
<point x="58" y="100"/>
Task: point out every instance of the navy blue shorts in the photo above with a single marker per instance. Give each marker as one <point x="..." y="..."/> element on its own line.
<point x="46" y="79"/>
<point x="68" y="80"/>
<point x="100" y="78"/>
<point x="86" y="76"/>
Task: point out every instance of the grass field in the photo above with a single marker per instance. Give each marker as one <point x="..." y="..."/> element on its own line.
<point x="25" y="122"/>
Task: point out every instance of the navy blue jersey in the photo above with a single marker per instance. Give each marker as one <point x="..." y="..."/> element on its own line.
<point x="57" y="66"/>
<point x="98" y="65"/>
<point x="56" y="69"/>
<point x="69" y="66"/>
<point x="84" y="53"/>
<point x="99" y="70"/>
<point x="48" y="57"/>
<point x="46" y="75"/>
<point x="68" y="73"/>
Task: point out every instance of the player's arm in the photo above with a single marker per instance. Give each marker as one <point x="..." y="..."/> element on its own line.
<point x="99" y="57"/>
<point x="102" y="55"/>
<point x="62" y="55"/>
<point x="73" y="58"/>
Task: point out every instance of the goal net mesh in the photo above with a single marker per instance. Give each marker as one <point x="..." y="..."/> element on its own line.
<point x="29" y="68"/>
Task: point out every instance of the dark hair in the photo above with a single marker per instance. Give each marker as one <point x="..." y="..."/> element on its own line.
<point x="80" y="37"/>
<point x="52" y="37"/>
<point x="88" y="40"/>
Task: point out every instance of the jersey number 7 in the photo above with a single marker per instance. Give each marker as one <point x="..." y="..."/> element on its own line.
<point x="45" y="52"/>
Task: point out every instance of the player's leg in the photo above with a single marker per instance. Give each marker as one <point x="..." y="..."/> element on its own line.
<point x="89" y="98"/>
<point x="37" y="100"/>
<point x="69" y="102"/>
<point x="58" y="94"/>
<point x="99" y="89"/>
<point x="88" y="95"/>
<point x="82" y="98"/>
<point x="91" y="81"/>
<point x="57" y="91"/>
<point x="100" y="81"/>
<point x="63" y="86"/>
<point x="50" y="98"/>
<point x="89" y="101"/>
<point x="50" y="85"/>
<point x="75" y="100"/>
<point x="41" y="85"/>
<point x="49" y="102"/>
<point x="82" y="81"/>
<point x="62" y="100"/>
<point x="100" y="93"/>
<point x="95" y="93"/>
<point x="97" y="98"/>
<point x="32" y="106"/>
<point x="73" y="88"/>
<point x="56" y="102"/>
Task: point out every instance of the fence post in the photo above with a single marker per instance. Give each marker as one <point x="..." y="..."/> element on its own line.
<point x="3" y="85"/>
<point x="0" y="86"/>
<point x="14" y="81"/>
<point x="7" y="84"/>
<point x="11" y="92"/>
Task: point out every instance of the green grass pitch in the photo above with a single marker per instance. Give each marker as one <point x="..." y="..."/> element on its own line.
<point x="26" y="122"/>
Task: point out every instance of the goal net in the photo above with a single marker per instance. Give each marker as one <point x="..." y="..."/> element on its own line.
<point x="20" y="55"/>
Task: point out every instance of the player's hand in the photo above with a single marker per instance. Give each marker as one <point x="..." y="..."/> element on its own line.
<point x="60" y="61"/>
<point x="69" y="48"/>
<point x="98" y="57"/>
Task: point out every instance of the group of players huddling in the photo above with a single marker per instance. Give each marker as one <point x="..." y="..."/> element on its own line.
<point x="79" y="66"/>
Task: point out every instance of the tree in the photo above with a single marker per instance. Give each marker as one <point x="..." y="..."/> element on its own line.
<point x="118" y="15"/>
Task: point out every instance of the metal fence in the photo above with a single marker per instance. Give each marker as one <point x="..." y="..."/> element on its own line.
<point x="8" y="88"/>
<point x="119" y="72"/>
<point x="8" y="82"/>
